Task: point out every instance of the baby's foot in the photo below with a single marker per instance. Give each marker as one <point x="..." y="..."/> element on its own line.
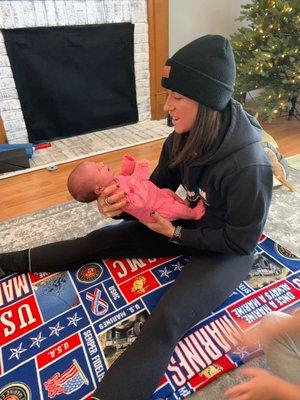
<point x="199" y="210"/>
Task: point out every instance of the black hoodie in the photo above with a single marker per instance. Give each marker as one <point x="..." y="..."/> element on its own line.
<point x="235" y="182"/>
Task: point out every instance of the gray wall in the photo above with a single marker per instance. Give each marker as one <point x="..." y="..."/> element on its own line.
<point x="190" y="19"/>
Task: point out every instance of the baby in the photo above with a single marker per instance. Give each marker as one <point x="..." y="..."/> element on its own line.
<point x="88" y="179"/>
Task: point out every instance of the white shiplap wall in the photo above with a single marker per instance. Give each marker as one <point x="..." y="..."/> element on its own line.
<point x="34" y="13"/>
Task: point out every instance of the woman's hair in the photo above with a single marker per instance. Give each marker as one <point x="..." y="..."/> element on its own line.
<point x="201" y="137"/>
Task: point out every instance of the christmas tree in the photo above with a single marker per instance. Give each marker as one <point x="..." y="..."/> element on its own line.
<point x="267" y="55"/>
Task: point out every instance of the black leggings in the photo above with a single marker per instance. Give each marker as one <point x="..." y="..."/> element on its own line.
<point x="204" y="283"/>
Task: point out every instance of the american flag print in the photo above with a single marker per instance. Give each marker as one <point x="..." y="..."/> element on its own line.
<point x="66" y="383"/>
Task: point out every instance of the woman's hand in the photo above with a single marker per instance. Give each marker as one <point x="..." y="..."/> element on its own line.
<point x="252" y="337"/>
<point x="110" y="202"/>
<point x="261" y="386"/>
<point x="269" y="328"/>
<point x="161" y="225"/>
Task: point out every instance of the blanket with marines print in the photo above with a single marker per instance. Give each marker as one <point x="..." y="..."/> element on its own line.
<point x="59" y="333"/>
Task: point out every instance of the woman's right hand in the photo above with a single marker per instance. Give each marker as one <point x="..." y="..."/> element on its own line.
<point x="111" y="201"/>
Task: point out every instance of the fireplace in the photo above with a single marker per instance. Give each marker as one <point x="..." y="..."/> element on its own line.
<point x="21" y="123"/>
<point x="73" y="79"/>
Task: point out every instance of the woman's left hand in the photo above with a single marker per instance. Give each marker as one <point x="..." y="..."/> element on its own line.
<point x="161" y="225"/>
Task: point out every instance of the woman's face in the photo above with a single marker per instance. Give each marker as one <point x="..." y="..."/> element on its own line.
<point x="182" y="110"/>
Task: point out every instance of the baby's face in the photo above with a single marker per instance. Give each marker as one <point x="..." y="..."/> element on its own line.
<point x="103" y="174"/>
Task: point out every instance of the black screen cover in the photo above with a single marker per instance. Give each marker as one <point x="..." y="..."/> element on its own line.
<point x="73" y="79"/>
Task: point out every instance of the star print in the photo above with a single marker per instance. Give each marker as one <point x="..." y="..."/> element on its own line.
<point x="241" y="352"/>
<point x="36" y="341"/>
<point x="17" y="352"/>
<point x="74" y="320"/>
<point x="164" y="272"/>
<point x="56" y="329"/>
<point x="177" y="266"/>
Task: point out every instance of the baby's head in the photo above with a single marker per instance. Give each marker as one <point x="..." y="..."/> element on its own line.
<point x="88" y="179"/>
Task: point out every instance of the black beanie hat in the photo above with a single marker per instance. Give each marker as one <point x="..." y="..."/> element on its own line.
<point x="203" y="70"/>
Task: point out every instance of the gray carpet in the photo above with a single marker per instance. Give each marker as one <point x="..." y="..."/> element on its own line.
<point x="74" y="219"/>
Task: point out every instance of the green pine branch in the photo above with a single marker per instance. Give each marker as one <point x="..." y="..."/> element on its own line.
<point x="267" y="54"/>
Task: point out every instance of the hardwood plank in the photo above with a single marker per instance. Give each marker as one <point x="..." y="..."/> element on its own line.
<point x="158" y="20"/>
<point x="41" y="189"/>
<point x="287" y="135"/>
<point x="2" y="132"/>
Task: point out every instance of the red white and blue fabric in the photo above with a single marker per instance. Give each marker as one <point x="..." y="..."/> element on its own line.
<point x="59" y="332"/>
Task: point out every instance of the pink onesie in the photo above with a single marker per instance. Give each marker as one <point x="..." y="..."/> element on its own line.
<point x="145" y="197"/>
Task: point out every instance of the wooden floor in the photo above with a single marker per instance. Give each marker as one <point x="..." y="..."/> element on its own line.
<point x="287" y="135"/>
<point x="41" y="189"/>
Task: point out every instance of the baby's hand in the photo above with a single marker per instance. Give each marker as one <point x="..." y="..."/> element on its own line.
<point x="111" y="201"/>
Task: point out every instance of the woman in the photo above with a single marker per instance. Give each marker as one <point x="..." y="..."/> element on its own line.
<point x="215" y="153"/>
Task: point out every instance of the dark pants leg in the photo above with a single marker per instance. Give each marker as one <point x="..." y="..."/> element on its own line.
<point x="128" y="239"/>
<point x="205" y="282"/>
